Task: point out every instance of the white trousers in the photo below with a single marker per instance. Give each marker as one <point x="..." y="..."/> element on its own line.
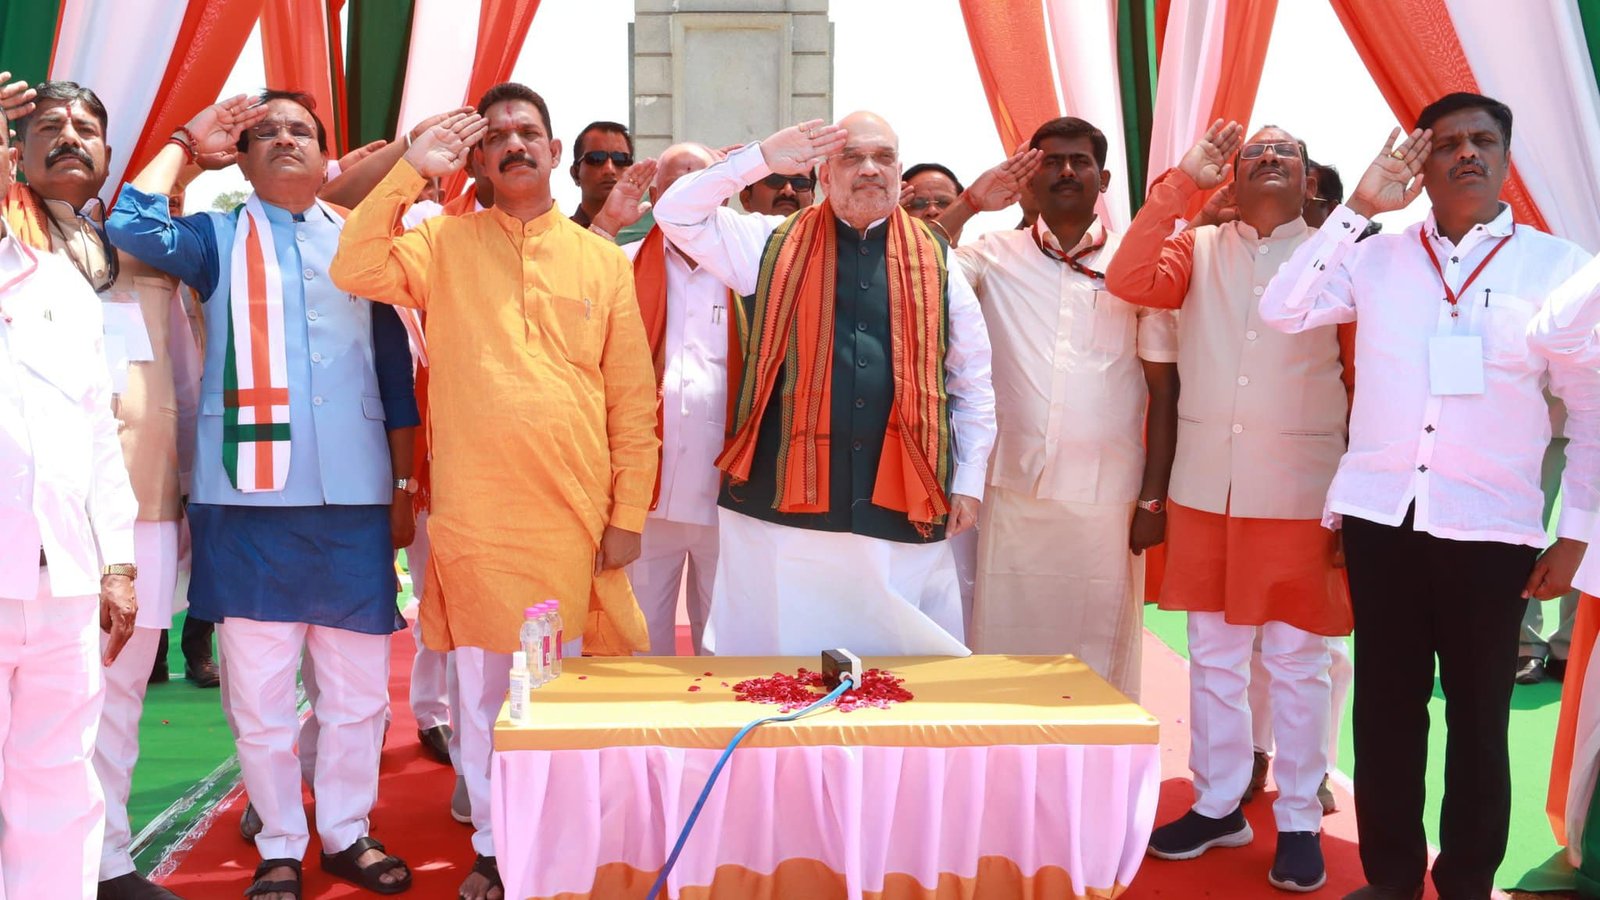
<point x="116" y="750"/>
<point x="657" y="577"/>
<point x="431" y="670"/>
<point x="784" y="591"/>
<point x="52" y="813"/>
<point x="1219" y="716"/>
<point x="351" y="704"/>
<point x="1341" y="672"/>
<point x="483" y="679"/>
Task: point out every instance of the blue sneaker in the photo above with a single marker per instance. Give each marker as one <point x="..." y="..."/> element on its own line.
<point x="1298" y="863"/>
<point x="1194" y="834"/>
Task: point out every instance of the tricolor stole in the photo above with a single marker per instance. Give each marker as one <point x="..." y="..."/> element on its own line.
<point x="255" y="374"/>
<point x="791" y="329"/>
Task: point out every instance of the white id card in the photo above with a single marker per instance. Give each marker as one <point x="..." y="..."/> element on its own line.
<point x="125" y="319"/>
<point x="116" y="348"/>
<point x="1455" y="364"/>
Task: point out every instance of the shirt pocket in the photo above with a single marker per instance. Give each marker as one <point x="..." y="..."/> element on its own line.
<point x="575" y="329"/>
<point x="1505" y="329"/>
<point x="1110" y="325"/>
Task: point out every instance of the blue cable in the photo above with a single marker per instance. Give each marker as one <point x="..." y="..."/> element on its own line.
<point x="845" y="683"/>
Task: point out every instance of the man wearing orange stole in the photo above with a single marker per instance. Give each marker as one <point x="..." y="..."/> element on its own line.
<point x="865" y="413"/>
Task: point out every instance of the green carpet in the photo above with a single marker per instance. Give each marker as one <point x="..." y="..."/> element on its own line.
<point x="1534" y="710"/>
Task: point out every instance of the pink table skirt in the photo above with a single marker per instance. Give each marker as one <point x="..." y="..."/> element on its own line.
<point x="815" y="822"/>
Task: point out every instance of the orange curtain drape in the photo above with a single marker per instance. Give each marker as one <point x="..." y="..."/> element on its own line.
<point x="303" y="51"/>
<point x="1411" y="49"/>
<point x="502" y="29"/>
<point x="1580" y="655"/>
<point x="1009" y="44"/>
<point x="1248" y="31"/>
<point x="209" y="42"/>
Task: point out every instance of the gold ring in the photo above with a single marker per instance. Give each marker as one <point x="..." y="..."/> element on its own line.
<point x="1398" y="154"/>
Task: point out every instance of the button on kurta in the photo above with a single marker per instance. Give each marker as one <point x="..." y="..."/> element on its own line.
<point x="1238" y="429"/>
<point x="316" y="401"/>
<point x="1244" y="380"/>
<point x="1251" y="335"/>
<point x="311" y="314"/>
<point x="310" y="273"/>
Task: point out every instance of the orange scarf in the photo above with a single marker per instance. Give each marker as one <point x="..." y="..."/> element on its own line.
<point x="26" y="217"/>
<point x="791" y="328"/>
<point x="650" y="287"/>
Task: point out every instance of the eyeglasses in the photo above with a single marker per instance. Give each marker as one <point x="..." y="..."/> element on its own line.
<point x="918" y="204"/>
<point x="883" y="159"/>
<point x="796" y="182"/>
<point x="298" y="132"/>
<point x="619" y="158"/>
<point x="1284" y="149"/>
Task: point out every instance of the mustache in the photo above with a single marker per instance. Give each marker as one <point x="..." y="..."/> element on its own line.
<point x="510" y="161"/>
<point x="1470" y="164"/>
<point x="1067" y="184"/>
<point x="1274" y="167"/>
<point x="65" y="150"/>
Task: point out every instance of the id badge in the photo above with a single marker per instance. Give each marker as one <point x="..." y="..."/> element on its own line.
<point x="1455" y="365"/>
<point x="124" y="319"/>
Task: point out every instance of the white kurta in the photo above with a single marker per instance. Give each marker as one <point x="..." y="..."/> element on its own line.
<point x="870" y="595"/>
<point x="1055" y="574"/>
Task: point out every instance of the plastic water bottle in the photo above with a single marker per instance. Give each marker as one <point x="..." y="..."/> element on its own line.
<point x="532" y="650"/>
<point x="521" y="683"/>
<point x="546" y="638"/>
<point x="559" y="631"/>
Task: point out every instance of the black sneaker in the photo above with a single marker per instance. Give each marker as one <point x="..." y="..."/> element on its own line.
<point x="1194" y="834"/>
<point x="1298" y="863"/>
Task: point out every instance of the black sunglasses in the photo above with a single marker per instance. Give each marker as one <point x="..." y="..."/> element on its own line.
<point x="797" y="182"/>
<point x="619" y="158"/>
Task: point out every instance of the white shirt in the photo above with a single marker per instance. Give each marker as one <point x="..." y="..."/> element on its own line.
<point x="1070" y="393"/>
<point x="1564" y="331"/>
<point x="729" y="246"/>
<point x="63" y="485"/>
<point x="694" y="391"/>
<point x="1469" y="462"/>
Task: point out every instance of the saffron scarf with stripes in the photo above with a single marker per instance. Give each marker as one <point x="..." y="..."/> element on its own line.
<point x="791" y="329"/>
<point x="255" y="372"/>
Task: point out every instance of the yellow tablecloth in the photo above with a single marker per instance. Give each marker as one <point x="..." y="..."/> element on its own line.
<point x="974" y="701"/>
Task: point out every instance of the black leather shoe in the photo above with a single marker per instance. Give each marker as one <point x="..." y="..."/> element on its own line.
<point x="1530" y="669"/>
<point x="203" y="674"/>
<point x="1555" y="669"/>
<point x="133" y="886"/>
<point x="435" y="742"/>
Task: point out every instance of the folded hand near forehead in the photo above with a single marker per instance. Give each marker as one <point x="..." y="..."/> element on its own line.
<point x="798" y="149"/>
<point x="1395" y="178"/>
<point x="442" y="149"/>
<point x="217" y="127"/>
<point x="1209" y="161"/>
<point x="16" y="97"/>
<point x="1003" y="185"/>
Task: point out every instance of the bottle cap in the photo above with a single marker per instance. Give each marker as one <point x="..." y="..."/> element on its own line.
<point x="519" y="660"/>
<point x="531" y="612"/>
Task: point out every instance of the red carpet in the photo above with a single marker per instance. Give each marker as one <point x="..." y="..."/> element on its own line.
<point x="412" y="817"/>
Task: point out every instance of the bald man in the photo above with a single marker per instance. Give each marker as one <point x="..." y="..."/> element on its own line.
<point x="685" y="310"/>
<point x="864" y="415"/>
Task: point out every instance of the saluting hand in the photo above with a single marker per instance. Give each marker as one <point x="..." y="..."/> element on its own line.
<point x="1003" y="185"/>
<point x="1395" y="178"/>
<point x="442" y="149"/>
<point x="1207" y="162"/>
<point x="217" y="128"/>
<point x="798" y="149"/>
<point x="16" y="97"/>
<point x="625" y="204"/>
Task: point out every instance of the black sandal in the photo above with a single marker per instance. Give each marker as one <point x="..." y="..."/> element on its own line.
<point x="344" y="865"/>
<point x="259" y="887"/>
<point x="489" y="868"/>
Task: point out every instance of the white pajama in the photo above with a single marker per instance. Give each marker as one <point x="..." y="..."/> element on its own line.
<point x="116" y="751"/>
<point x="431" y="670"/>
<point x="52" y="813"/>
<point x="350" y="705"/>
<point x="483" y="679"/>
<point x="785" y="591"/>
<point x="1341" y="672"/>
<point x="1219" y="715"/>
<point x="665" y="549"/>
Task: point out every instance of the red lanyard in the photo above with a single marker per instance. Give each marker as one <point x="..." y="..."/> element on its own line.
<point x="1452" y="297"/>
<point x="1072" y="261"/>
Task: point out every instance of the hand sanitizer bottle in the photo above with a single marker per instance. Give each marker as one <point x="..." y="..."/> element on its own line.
<point x="520" y="685"/>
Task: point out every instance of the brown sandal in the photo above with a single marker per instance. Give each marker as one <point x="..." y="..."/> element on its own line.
<point x="344" y="864"/>
<point x="489" y="868"/>
<point x="259" y="887"/>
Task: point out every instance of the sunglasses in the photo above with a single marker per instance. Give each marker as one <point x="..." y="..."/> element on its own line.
<point x="797" y="182"/>
<point x="918" y="204"/>
<point x="1284" y="149"/>
<point x="619" y="158"/>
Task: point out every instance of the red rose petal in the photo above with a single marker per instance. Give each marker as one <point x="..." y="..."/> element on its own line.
<point x="694" y="687"/>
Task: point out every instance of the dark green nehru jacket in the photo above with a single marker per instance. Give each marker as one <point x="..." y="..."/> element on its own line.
<point x="863" y="392"/>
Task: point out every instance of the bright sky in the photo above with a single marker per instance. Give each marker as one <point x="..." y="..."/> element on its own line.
<point x="1314" y="85"/>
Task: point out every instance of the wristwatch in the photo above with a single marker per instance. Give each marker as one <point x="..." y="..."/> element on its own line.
<point x="1153" y="506"/>
<point x="128" y="569"/>
<point x="409" y="485"/>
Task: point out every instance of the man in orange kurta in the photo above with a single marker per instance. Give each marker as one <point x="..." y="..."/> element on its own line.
<point x="541" y="401"/>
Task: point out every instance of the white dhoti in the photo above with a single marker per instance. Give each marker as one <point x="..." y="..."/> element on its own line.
<point x="351" y="707"/>
<point x="116" y="751"/>
<point x="431" y="670"/>
<point x="657" y="576"/>
<point x="52" y="814"/>
<point x="1057" y="577"/>
<point x="784" y="591"/>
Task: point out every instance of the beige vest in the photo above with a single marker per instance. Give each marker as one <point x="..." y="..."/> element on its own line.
<point x="147" y="411"/>
<point x="1261" y="414"/>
